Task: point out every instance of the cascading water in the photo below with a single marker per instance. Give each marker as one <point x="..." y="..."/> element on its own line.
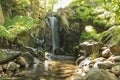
<point x="52" y="23"/>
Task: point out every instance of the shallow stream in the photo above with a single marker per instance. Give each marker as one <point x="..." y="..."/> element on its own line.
<point x="47" y="70"/>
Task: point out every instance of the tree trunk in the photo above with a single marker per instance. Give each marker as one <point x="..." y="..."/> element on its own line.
<point x="1" y="16"/>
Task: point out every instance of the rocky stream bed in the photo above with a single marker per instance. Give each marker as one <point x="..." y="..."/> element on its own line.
<point x="95" y="61"/>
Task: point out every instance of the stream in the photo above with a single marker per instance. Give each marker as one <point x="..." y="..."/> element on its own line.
<point x="47" y="70"/>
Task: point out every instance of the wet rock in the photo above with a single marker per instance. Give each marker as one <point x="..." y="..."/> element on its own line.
<point x="116" y="70"/>
<point x="106" y="53"/>
<point x="85" y="62"/>
<point x="77" y="62"/>
<point x="26" y="60"/>
<point x="51" y="56"/>
<point x="4" y="66"/>
<point x="12" y="66"/>
<point x="100" y="74"/>
<point x="21" y="61"/>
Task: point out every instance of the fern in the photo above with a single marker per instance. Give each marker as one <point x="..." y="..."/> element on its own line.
<point x="18" y="25"/>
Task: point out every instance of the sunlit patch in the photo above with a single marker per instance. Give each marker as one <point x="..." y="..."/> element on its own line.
<point x="62" y="4"/>
<point x="89" y="28"/>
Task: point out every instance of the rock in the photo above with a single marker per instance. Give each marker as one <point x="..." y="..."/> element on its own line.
<point x="21" y="61"/>
<point x="26" y="60"/>
<point x="77" y="62"/>
<point x="117" y="63"/>
<point x="7" y="55"/>
<point x="77" y="77"/>
<point x="51" y="56"/>
<point x="99" y="59"/>
<point x="12" y="66"/>
<point x="115" y="49"/>
<point x="119" y="77"/>
<point x="106" y="53"/>
<point x="116" y="70"/>
<point x="91" y="48"/>
<point x="100" y="74"/>
<point x="116" y="58"/>
<point x="105" y="65"/>
<point x="103" y="48"/>
<point x="85" y="62"/>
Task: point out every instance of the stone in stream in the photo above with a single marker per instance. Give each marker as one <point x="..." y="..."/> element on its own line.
<point x="21" y="61"/>
<point x="106" y="53"/>
<point x="12" y="66"/>
<point x="116" y="70"/>
<point x="100" y="74"/>
<point x="105" y="65"/>
<point x="26" y="60"/>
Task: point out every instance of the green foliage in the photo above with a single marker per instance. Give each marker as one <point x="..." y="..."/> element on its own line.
<point x="3" y="31"/>
<point x="90" y="35"/>
<point x="16" y="26"/>
<point x="17" y="7"/>
<point x="83" y="13"/>
<point x="102" y="14"/>
<point x="112" y="36"/>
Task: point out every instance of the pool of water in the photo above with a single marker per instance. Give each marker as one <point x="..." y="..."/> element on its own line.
<point x="47" y="70"/>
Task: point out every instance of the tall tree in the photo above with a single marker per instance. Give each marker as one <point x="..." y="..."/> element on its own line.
<point x="1" y="16"/>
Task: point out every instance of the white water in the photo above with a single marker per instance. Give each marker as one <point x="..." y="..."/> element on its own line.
<point x="53" y="24"/>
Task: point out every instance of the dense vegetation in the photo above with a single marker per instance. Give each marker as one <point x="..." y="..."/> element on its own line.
<point x="100" y="14"/>
<point x="83" y="30"/>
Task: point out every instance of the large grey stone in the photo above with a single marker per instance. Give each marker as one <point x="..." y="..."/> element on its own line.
<point x="100" y="74"/>
<point x="116" y="70"/>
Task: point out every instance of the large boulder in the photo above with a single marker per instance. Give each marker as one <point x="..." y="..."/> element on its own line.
<point x="116" y="70"/>
<point x="71" y="29"/>
<point x="100" y="74"/>
<point x="7" y="55"/>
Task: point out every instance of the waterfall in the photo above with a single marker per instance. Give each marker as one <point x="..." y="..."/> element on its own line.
<point x="52" y="23"/>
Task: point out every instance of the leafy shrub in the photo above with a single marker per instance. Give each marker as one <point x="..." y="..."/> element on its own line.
<point x="17" y="25"/>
